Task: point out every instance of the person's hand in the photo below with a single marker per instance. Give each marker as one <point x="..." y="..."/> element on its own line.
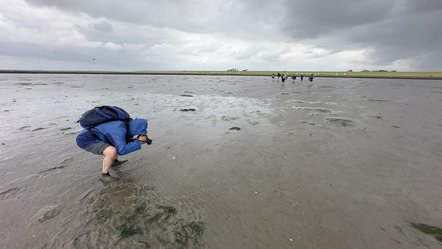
<point x="143" y="139"/>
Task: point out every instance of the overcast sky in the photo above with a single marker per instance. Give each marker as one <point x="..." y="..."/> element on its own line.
<point x="313" y="35"/>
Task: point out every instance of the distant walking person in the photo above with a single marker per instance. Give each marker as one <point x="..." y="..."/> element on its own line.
<point x="283" y="77"/>
<point x="279" y="75"/>
<point x="310" y="78"/>
<point x="273" y="75"/>
<point x="294" y="78"/>
<point x="302" y="77"/>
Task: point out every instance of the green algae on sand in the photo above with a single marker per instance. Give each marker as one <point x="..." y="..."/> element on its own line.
<point x="341" y="122"/>
<point x="427" y="229"/>
<point x="129" y="230"/>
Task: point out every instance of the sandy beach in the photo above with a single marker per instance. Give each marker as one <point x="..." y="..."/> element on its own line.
<point x="236" y="162"/>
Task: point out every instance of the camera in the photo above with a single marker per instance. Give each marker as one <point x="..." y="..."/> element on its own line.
<point x="148" y="141"/>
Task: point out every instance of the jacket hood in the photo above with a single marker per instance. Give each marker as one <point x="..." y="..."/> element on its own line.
<point x="138" y="126"/>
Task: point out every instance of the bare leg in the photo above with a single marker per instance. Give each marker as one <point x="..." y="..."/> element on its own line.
<point x="110" y="155"/>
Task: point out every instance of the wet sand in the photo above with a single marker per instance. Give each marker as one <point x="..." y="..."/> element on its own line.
<point x="236" y="162"/>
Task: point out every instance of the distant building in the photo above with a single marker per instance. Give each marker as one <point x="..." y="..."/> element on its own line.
<point x="232" y="70"/>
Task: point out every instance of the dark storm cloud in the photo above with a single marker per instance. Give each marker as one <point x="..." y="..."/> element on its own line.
<point x="412" y="33"/>
<point x="402" y="37"/>
<point x="422" y="7"/>
<point x="393" y="30"/>
<point x="308" y="19"/>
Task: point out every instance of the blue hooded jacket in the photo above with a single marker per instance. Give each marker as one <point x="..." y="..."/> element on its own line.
<point x="114" y="133"/>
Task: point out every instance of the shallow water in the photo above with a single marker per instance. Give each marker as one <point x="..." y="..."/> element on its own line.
<point x="236" y="162"/>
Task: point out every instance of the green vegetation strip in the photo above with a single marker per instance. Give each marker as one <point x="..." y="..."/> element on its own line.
<point x="431" y="230"/>
<point x="337" y="74"/>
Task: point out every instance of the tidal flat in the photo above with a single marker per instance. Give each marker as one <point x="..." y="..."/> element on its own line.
<point x="236" y="162"/>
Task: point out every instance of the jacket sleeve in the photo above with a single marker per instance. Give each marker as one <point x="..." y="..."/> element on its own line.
<point x="117" y="137"/>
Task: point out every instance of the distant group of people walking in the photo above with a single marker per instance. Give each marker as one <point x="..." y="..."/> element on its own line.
<point x="285" y="76"/>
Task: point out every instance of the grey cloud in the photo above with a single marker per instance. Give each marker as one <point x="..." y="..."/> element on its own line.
<point x="423" y="6"/>
<point x="242" y="18"/>
<point x="103" y="27"/>
<point x="409" y="35"/>
<point x="313" y="18"/>
<point x="167" y="13"/>
<point x="428" y="62"/>
<point x="387" y="30"/>
<point x="392" y="30"/>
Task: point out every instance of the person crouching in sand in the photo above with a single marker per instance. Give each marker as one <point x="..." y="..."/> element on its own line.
<point x="110" y="139"/>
